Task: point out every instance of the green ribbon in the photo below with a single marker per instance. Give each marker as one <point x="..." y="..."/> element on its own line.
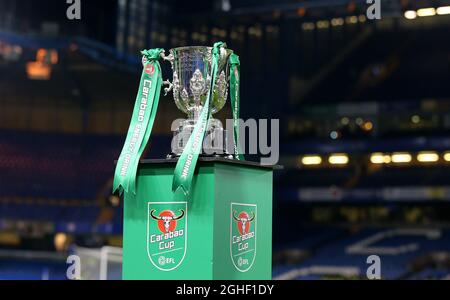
<point x="141" y="123"/>
<point x="184" y="170"/>
<point x="235" y="84"/>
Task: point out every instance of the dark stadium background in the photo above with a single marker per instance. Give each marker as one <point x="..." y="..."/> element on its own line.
<point x="364" y="108"/>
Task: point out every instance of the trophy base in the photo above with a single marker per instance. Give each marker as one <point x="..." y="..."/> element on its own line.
<point x="214" y="144"/>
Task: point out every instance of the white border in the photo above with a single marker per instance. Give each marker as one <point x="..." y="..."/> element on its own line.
<point x="231" y="234"/>
<point x="148" y="235"/>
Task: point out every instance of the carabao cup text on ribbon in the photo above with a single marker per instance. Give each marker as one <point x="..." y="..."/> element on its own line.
<point x="141" y="123"/>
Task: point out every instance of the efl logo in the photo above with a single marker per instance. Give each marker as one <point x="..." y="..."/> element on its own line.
<point x="167" y="234"/>
<point x="150" y="69"/>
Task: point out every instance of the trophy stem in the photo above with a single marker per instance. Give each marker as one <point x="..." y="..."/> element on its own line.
<point x="195" y="112"/>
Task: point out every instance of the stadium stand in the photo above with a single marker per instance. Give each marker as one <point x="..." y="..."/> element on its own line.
<point x="334" y="259"/>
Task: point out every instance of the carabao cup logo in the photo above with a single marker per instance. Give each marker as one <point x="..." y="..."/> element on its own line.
<point x="243" y="235"/>
<point x="167" y="234"/>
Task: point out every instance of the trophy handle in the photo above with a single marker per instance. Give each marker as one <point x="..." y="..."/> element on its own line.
<point x="170" y="58"/>
<point x="168" y="88"/>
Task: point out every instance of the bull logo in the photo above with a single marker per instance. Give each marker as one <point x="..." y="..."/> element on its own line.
<point x="167" y="221"/>
<point x="243" y="221"/>
<point x="167" y="234"/>
<point x="150" y="69"/>
<point x="243" y="224"/>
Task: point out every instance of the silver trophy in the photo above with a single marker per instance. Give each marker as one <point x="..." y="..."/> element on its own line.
<point x="191" y="68"/>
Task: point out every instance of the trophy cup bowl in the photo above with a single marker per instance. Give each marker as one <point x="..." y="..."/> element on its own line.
<point x="191" y="82"/>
